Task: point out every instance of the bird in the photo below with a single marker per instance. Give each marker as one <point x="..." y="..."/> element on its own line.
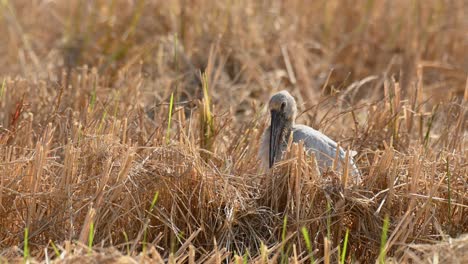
<point x="274" y="141"/>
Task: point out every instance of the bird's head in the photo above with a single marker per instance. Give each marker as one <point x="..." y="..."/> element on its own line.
<point x="283" y="112"/>
<point x="283" y="103"/>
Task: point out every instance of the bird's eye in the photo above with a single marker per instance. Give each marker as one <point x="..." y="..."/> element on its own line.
<point x="283" y="105"/>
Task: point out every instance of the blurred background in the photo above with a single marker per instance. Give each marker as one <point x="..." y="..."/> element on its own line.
<point x="309" y="47"/>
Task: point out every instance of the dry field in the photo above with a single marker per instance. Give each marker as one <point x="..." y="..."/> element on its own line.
<point x="129" y="131"/>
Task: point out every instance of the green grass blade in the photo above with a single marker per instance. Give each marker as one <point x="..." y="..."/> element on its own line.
<point x="429" y="126"/>
<point x="171" y="105"/>
<point x="90" y="238"/>
<point x="26" y="244"/>
<point x="102" y="122"/>
<point x="283" y="238"/>
<point x="153" y="202"/>
<point x="176" y="63"/>
<point x="145" y="232"/>
<point x="3" y="89"/>
<point x="136" y="17"/>
<point x="56" y="250"/>
<point x="126" y="242"/>
<point x="285" y="223"/>
<point x="308" y="242"/>
<point x="345" y="246"/>
<point x="383" y="239"/>
<point x="92" y="101"/>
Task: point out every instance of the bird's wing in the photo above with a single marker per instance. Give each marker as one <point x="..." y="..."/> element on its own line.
<point x="316" y="141"/>
<point x="323" y="146"/>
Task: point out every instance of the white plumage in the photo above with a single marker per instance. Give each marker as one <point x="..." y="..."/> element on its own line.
<point x="283" y="110"/>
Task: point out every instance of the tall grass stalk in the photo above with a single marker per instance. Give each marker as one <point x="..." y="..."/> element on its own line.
<point x="449" y="190"/>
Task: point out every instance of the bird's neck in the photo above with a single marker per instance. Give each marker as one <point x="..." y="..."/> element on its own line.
<point x="287" y="130"/>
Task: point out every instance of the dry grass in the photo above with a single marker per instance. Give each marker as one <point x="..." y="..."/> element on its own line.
<point x="92" y="169"/>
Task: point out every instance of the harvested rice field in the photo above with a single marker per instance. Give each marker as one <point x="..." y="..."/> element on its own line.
<point x="130" y="131"/>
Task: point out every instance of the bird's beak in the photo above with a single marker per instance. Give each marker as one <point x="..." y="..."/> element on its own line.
<point x="276" y="133"/>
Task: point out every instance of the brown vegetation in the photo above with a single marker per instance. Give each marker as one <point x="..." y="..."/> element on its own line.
<point x="91" y="169"/>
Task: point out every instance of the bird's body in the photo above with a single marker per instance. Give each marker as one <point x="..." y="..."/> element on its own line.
<point x="275" y="138"/>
